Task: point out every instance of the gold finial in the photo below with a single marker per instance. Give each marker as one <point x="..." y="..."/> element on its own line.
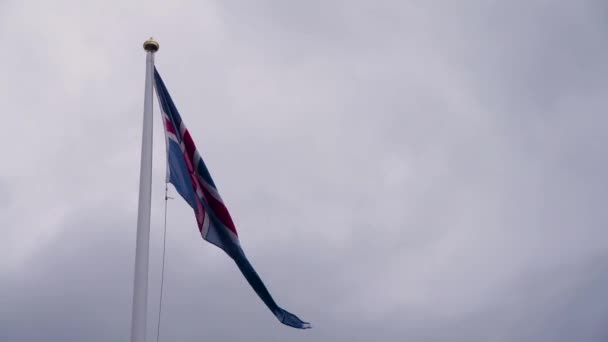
<point x="151" y="45"/>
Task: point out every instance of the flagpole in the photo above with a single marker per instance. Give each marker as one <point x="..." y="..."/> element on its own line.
<point x="140" y="282"/>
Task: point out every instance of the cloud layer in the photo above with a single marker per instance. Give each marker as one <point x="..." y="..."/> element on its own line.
<point x="397" y="171"/>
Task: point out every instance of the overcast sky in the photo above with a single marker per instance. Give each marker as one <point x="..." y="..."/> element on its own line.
<point x="397" y="170"/>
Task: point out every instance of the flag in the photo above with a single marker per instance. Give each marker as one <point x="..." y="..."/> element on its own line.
<point x="190" y="177"/>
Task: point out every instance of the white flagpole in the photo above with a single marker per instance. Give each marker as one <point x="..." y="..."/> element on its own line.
<point x="140" y="283"/>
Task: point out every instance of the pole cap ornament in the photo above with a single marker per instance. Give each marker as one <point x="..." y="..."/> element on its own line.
<point x="151" y="45"/>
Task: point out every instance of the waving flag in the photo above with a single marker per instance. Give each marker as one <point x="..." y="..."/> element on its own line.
<point x="191" y="178"/>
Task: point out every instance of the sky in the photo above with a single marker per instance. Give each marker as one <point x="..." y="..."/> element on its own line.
<point x="397" y="170"/>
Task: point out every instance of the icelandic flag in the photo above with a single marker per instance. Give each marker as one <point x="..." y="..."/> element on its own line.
<point x="191" y="178"/>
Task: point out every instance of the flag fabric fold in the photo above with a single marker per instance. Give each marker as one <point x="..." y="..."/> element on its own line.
<point x="189" y="175"/>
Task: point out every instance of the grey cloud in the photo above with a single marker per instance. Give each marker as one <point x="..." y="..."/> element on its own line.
<point x="396" y="171"/>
